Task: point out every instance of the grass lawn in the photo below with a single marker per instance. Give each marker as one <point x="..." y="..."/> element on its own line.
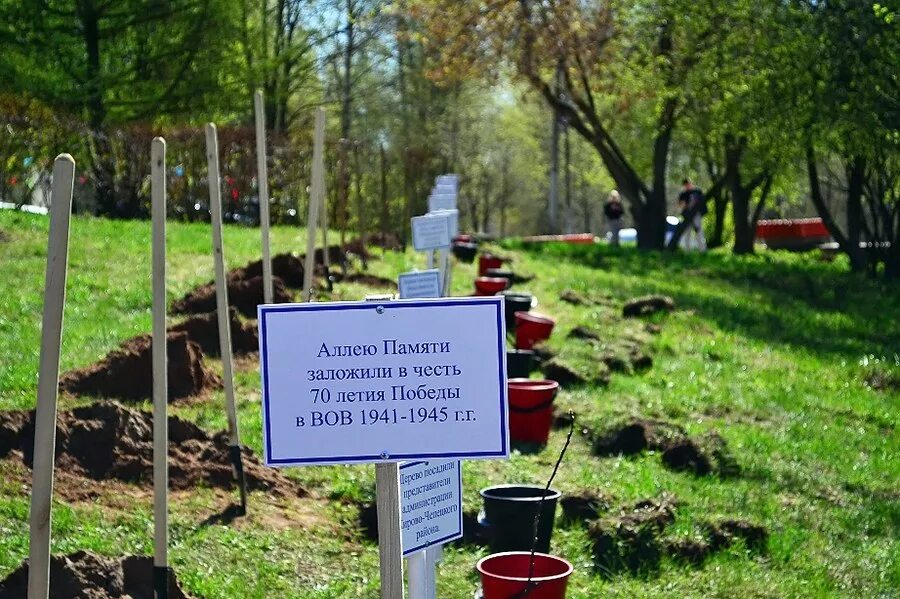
<point x="775" y="352"/>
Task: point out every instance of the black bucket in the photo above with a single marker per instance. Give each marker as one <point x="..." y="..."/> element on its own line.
<point x="519" y="363"/>
<point x="500" y="273"/>
<point x="515" y="302"/>
<point x="465" y="252"/>
<point x="508" y="517"/>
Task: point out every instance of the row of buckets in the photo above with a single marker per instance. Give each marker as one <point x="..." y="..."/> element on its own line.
<point x="515" y="569"/>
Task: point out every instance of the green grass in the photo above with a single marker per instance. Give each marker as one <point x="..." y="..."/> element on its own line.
<point x="772" y="351"/>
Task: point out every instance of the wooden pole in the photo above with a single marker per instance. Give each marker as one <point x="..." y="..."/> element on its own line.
<point x="316" y="184"/>
<point x="160" y="378"/>
<point x="48" y="377"/>
<point x="262" y="184"/>
<point x="387" y="502"/>
<point x="215" y="203"/>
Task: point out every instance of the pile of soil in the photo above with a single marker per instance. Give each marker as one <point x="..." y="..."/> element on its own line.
<point x="127" y="372"/>
<point x="336" y="256"/>
<point x="106" y="441"/>
<point x="581" y="332"/>
<point x="649" y="304"/>
<point x="367" y="279"/>
<point x="203" y="330"/>
<point x="630" y="540"/>
<point x="386" y="241"/>
<point x="583" y="506"/>
<point x="243" y="294"/>
<point x="287" y="267"/>
<point x="570" y="296"/>
<point x="704" y="455"/>
<point x="84" y="575"/>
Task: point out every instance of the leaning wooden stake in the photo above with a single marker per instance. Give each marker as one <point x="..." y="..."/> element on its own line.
<point x="160" y="378"/>
<point x="387" y="505"/>
<point x="316" y="188"/>
<point x="48" y="377"/>
<point x="215" y="203"/>
<point x="262" y="184"/>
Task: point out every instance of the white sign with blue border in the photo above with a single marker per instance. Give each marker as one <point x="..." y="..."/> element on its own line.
<point x="357" y="382"/>
<point x="430" y="504"/>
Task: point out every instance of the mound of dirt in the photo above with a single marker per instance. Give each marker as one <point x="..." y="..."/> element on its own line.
<point x="584" y="333"/>
<point x="243" y="295"/>
<point x="725" y="532"/>
<point x="630" y="540"/>
<point x="203" y="330"/>
<point x="635" y="436"/>
<point x="84" y="575"/>
<point x="368" y="280"/>
<point x="106" y="440"/>
<point x="562" y="373"/>
<point x="648" y="304"/>
<point x="127" y="372"/>
<point x="704" y="455"/>
<point x="386" y="241"/>
<point x="287" y="267"/>
<point x="583" y="506"/>
<point x="570" y="296"/>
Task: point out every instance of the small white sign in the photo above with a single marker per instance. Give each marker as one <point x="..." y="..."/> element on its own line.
<point x="441" y="202"/>
<point x="419" y="284"/>
<point x="452" y="217"/>
<point x="447" y="180"/>
<point x="430" y="504"/>
<point x="357" y="382"/>
<point x="431" y="233"/>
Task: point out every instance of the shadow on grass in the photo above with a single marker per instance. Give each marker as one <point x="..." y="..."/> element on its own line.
<point x="778" y="297"/>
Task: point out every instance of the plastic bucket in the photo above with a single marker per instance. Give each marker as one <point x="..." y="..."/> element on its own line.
<point x="463" y="237"/>
<point x="531" y="409"/>
<point x="505" y="575"/>
<point x="490" y="285"/>
<point x="500" y="273"/>
<point x="515" y="302"/>
<point x="508" y="517"/>
<point x="532" y="329"/>
<point x="519" y="363"/>
<point x="486" y="261"/>
<point x="465" y="252"/>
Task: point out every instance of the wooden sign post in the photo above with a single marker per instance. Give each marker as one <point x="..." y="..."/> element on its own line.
<point x="316" y="191"/>
<point x="262" y="184"/>
<point x="215" y="203"/>
<point x="48" y="377"/>
<point x="160" y="378"/>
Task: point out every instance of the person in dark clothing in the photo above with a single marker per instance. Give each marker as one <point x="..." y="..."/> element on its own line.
<point x="614" y="211"/>
<point x="692" y="204"/>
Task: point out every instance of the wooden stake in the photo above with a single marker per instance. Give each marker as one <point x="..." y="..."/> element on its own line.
<point x="160" y="378"/>
<point x="215" y="203"/>
<point x="262" y="184"/>
<point x="48" y="377"/>
<point x="316" y="184"/>
<point x="387" y="505"/>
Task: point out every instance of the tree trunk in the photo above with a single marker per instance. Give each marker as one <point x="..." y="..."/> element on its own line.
<point x="720" y="207"/>
<point x="855" y="175"/>
<point x="385" y="212"/>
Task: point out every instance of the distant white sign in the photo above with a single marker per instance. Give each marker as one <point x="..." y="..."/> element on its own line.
<point x="430" y="232"/>
<point x="419" y="284"/>
<point x="447" y="180"/>
<point x="347" y="382"/>
<point x="430" y="504"/>
<point x="441" y="202"/>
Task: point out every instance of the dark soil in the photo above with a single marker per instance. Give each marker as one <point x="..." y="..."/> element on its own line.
<point x="700" y="456"/>
<point x="84" y="575"/>
<point x="368" y="280"/>
<point x="583" y="506"/>
<point x="243" y="294"/>
<point x="106" y="440"/>
<point x="203" y="330"/>
<point x="571" y="296"/>
<point x="542" y="353"/>
<point x="688" y="550"/>
<point x="883" y="380"/>
<point x="584" y="333"/>
<point x="724" y="534"/>
<point x="287" y="267"/>
<point x="368" y="521"/>
<point x="127" y="372"/>
<point x="649" y="304"/>
<point x="630" y="540"/>
<point x="562" y="373"/>
<point x="387" y="241"/>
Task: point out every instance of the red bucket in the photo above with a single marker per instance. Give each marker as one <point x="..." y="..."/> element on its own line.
<point x="531" y="409"/>
<point x="490" y="285"/>
<point x="505" y="575"/>
<point x="531" y="329"/>
<point x="486" y="261"/>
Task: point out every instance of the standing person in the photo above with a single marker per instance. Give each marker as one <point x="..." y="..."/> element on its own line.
<point x="613" y="211"/>
<point x="692" y="203"/>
